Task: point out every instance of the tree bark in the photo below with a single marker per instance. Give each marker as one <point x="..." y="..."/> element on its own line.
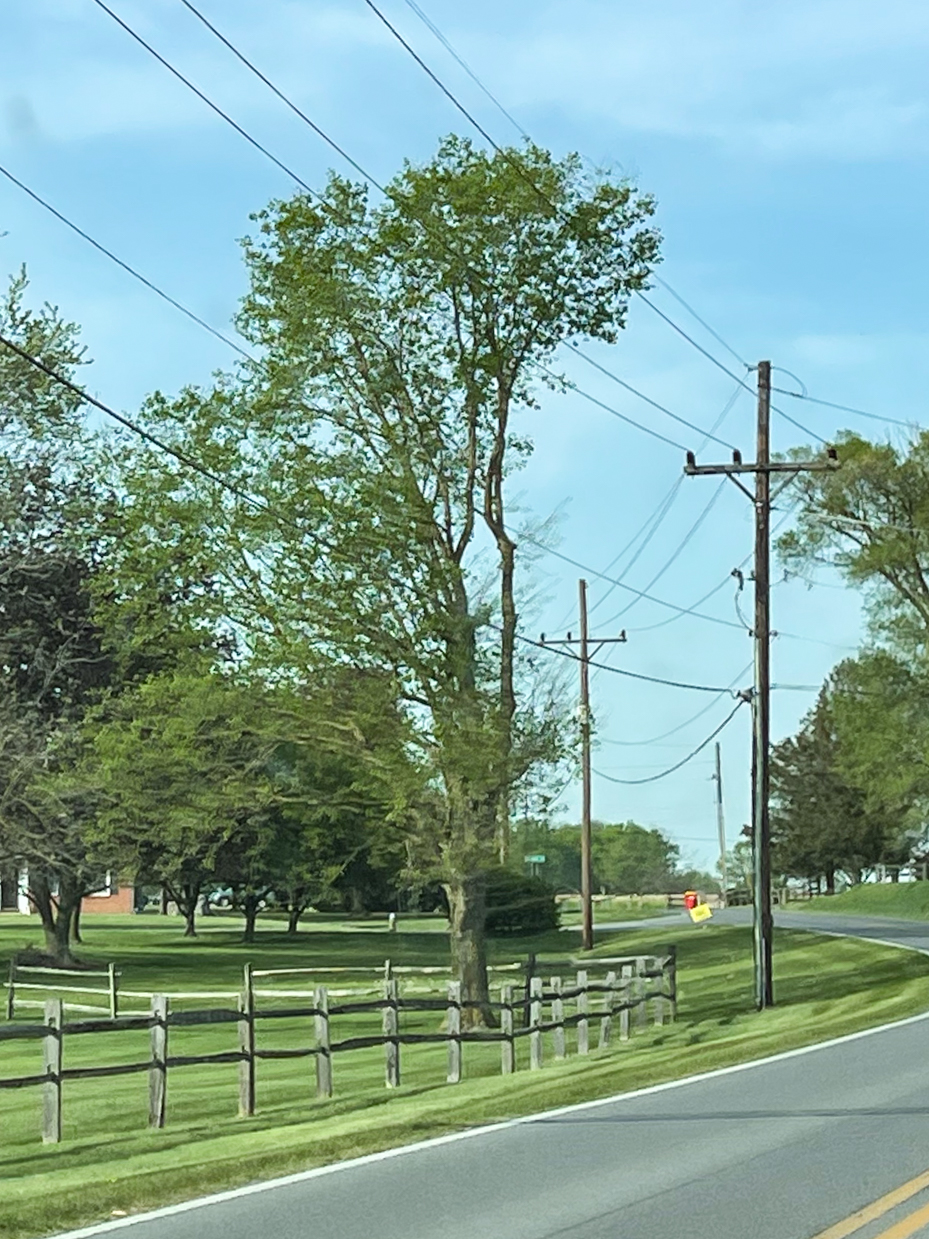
<point x="186" y="896"/>
<point x="250" y="912"/>
<point x="56" y="913"/>
<point x="76" y="923"/>
<point x="467" y="914"/>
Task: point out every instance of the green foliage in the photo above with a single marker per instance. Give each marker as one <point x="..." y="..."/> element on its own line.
<point x="519" y="904"/>
<point x="870" y="519"/>
<point x="402" y="348"/>
<point x="822" y="820"/>
<point x="627" y="859"/>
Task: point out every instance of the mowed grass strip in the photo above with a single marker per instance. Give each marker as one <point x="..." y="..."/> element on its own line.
<point x="908" y="901"/>
<point x="109" y="1160"/>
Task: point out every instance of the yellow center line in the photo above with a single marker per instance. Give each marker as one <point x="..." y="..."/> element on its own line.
<point x="907" y="1226"/>
<point x="878" y="1209"/>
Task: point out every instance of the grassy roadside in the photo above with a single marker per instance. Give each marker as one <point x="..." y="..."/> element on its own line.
<point x="906" y="900"/>
<point x="110" y="1161"/>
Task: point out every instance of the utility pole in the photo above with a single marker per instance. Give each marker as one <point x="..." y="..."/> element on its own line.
<point x="587" y="908"/>
<point x="763" y="468"/>
<point x="721" y="823"/>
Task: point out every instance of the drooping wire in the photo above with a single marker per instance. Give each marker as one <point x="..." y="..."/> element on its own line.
<point x="632" y="675"/>
<point x="683" y="762"/>
<point x="680" y="726"/>
<point x="354" y="163"/>
<point x="673" y="557"/>
<point x="136" y="275"/>
<point x="713" y="619"/>
<point x="482" y="86"/>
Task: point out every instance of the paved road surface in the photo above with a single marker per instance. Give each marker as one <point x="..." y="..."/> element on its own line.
<point x="779" y="1151"/>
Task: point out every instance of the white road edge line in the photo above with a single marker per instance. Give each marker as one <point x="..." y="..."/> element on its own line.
<point x="368" y="1159"/>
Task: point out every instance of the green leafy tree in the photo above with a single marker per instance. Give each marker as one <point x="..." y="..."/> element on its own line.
<point x="53" y="664"/>
<point x="823" y="822"/>
<point x="403" y="346"/>
<point x="180" y="769"/>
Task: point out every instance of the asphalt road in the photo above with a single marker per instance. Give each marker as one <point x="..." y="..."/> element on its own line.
<point x="782" y="1150"/>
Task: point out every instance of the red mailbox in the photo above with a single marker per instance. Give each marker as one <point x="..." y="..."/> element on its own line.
<point x="691" y="900"/>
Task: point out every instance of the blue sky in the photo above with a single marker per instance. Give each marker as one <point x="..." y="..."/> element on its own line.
<point x="788" y="147"/>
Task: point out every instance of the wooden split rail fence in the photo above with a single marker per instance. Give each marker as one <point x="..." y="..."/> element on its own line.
<point x="632" y="988"/>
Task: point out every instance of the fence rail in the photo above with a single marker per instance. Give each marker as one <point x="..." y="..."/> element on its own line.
<point x="632" y="985"/>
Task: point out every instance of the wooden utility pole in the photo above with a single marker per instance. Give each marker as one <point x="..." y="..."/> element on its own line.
<point x="721" y="823"/>
<point x="587" y="907"/>
<point x="763" y="922"/>
<point x="587" y="910"/>
<point x="763" y="468"/>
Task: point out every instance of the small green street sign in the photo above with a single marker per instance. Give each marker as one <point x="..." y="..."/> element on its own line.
<point x="534" y="860"/>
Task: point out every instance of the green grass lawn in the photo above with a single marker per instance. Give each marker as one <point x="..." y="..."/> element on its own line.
<point x="109" y="1160"/>
<point x="907" y="900"/>
<point x="614" y="908"/>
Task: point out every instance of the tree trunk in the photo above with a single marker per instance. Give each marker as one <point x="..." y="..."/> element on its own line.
<point x="467" y="914"/>
<point x="76" y="924"/>
<point x="186" y="896"/>
<point x="57" y="915"/>
<point x="250" y="912"/>
<point x="830" y="881"/>
<point x="293" y="918"/>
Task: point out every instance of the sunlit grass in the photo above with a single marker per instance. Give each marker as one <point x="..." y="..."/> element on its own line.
<point x="110" y="1160"/>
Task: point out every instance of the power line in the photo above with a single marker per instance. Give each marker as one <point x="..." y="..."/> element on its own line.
<point x="713" y="619"/>
<point x="709" y="436"/>
<point x="136" y="275"/>
<point x="303" y="184"/>
<point x="703" y="323"/>
<point x="214" y="107"/>
<point x="846" y="408"/>
<point x="426" y="20"/>
<point x="181" y="457"/>
<point x="691" y="532"/>
<point x="456" y="103"/>
<point x="690" y="756"/>
<point x="633" y="675"/>
<point x="681" y="726"/>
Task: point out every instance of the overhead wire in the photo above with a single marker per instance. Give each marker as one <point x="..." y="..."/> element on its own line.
<point x="632" y="675"/>
<point x="660" y="513"/>
<point x="354" y="163"/>
<point x="482" y="86"/>
<point x="683" y="762"/>
<point x="846" y="408"/>
<point x="127" y="267"/>
<point x="680" y="726"/>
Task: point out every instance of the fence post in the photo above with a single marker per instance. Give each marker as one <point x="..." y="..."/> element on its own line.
<point x="52" y="1055"/>
<point x="113" y="979"/>
<point x="530" y="973"/>
<point x="535" y="1021"/>
<point x="583" y="1028"/>
<point x="606" y="1021"/>
<point x="658" y="1001"/>
<point x="672" y="983"/>
<point x="247" y="1046"/>
<point x="323" y="1052"/>
<point x="391" y="1032"/>
<point x="508" y="1044"/>
<point x="558" y="1038"/>
<point x="9" y="997"/>
<point x="627" y="991"/>
<point x="454" y="1032"/>
<point x="158" y="1069"/>
<point x="641" y="988"/>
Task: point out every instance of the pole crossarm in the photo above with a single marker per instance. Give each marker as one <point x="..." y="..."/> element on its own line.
<point x="775" y="466"/>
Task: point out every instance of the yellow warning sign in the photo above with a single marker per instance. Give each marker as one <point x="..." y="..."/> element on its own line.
<point x="701" y="912"/>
